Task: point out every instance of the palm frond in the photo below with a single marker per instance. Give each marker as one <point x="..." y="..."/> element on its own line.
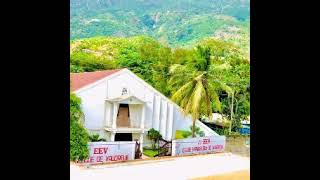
<point x="226" y="88"/>
<point x="179" y="75"/>
<point x="182" y="92"/>
<point x="207" y="101"/>
<point x="214" y="96"/>
<point x="216" y="101"/>
<point x="198" y="95"/>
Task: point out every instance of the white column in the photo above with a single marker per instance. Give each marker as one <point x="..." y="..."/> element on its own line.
<point x="149" y="114"/>
<point x="115" y="113"/>
<point x="173" y="145"/>
<point x="107" y="114"/>
<point x="163" y="118"/>
<point x="112" y="136"/>
<point x="156" y="113"/>
<point x="170" y="121"/>
<point x="143" y="116"/>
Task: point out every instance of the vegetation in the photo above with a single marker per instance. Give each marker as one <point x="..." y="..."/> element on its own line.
<point x="152" y="152"/>
<point x="155" y="136"/>
<point x="197" y="85"/>
<point x="182" y="134"/>
<point x="79" y="137"/>
<point x="96" y="138"/>
<point x="197" y="131"/>
<point x="177" y="23"/>
<point x="220" y="70"/>
<point x="222" y="130"/>
<point x="195" y="52"/>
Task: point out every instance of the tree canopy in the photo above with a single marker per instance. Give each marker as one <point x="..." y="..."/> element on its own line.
<point x="79" y="136"/>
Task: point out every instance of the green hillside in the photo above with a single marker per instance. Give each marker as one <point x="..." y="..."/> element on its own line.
<point x="178" y="23"/>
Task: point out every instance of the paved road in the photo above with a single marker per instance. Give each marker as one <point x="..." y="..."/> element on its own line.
<point x="177" y="168"/>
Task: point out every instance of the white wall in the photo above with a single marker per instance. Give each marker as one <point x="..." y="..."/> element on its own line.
<point x="182" y="122"/>
<point x="125" y="80"/>
<point x="92" y="102"/>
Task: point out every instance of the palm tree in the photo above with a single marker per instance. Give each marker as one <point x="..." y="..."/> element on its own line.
<point x="196" y="86"/>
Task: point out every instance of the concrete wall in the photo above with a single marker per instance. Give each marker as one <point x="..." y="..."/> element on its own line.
<point x="92" y="103"/>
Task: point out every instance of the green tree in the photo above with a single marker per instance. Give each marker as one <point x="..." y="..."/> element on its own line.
<point x="238" y="78"/>
<point x="79" y="137"/>
<point x="155" y="136"/>
<point x="232" y="68"/>
<point x="195" y="85"/>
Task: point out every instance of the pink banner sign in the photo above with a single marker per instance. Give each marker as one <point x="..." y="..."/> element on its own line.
<point x="199" y="145"/>
<point x="102" y="152"/>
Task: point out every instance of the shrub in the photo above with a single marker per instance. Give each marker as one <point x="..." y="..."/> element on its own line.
<point x="221" y="130"/>
<point x="96" y="138"/>
<point x="79" y="137"/>
<point x="197" y="131"/>
<point x="78" y="141"/>
<point x="155" y="136"/>
<point x="181" y="134"/>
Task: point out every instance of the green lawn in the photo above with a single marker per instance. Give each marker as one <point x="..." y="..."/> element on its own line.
<point x="151" y="152"/>
<point x="182" y="134"/>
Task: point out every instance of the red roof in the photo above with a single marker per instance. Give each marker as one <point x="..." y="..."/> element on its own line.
<point x="79" y="80"/>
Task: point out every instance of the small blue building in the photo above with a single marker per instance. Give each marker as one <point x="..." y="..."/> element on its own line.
<point x="245" y="130"/>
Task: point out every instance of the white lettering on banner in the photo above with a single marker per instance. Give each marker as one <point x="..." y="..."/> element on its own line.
<point x="200" y="145"/>
<point x="100" y="152"/>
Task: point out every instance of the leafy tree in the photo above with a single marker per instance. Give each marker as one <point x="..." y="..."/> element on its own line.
<point x="231" y="67"/>
<point x="237" y="77"/>
<point x="79" y="137"/>
<point x="75" y="68"/>
<point x="155" y="136"/>
<point x="182" y="56"/>
<point x="89" y="62"/>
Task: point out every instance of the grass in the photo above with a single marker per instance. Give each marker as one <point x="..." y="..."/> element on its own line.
<point x="182" y="134"/>
<point x="151" y="152"/>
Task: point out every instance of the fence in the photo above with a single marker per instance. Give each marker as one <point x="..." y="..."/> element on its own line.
<point x="104" y="152"/>
<point x="199" y="145"/>
<point x="101" y="152"/>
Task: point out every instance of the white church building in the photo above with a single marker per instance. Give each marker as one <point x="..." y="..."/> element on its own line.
<point x="120" y="106"/>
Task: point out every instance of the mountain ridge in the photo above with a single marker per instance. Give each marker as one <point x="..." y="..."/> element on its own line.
<point x="179" y="23"/>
